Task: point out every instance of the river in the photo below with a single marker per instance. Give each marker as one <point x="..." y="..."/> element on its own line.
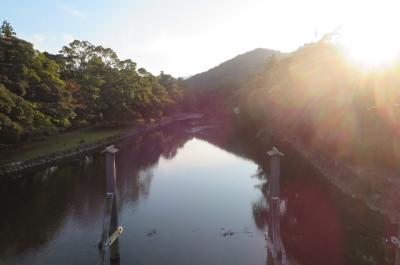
<point x="190" y="194"/>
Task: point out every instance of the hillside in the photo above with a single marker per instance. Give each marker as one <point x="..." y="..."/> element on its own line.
<point x="319" y="98"/>
<point x="83" y="85"/>
<point x="232" y="73"/>
<point x="209" y="89"/>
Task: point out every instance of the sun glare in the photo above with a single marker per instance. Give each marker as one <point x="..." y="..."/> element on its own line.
<point x="372" y="43"/>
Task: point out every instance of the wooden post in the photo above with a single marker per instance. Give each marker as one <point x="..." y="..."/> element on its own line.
<point x="111" y="180"/>
<point x="276" y="226"/>
<point x="106" y="220"/>
<point x="396" y="241"/>
<point x="397" y="246"/>
<point x="275" y="171"/>
<point x="397" y="262"/>
<point x="275" y="214"/>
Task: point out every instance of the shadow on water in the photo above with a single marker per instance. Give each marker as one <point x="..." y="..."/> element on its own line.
<point x="135" y="162"/>
<point x="317" y="223"/>
<point x="37" y="206"/>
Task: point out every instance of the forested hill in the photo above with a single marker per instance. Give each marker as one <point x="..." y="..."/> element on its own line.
<point x="232" y="73"/>
<point x="82" y="85"/>
<point x="208" y="89"/>
<point x="320" y="98"/>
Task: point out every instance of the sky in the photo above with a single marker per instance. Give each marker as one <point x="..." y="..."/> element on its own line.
<point x="185" y="37"/>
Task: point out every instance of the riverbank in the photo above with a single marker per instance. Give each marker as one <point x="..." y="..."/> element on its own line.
<point x="59" y="143"/>
<point x="76" y="144"/>
<point x="379" y="192"/>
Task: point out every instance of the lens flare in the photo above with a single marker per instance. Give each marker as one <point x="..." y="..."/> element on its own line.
<point x="371" y="43"/>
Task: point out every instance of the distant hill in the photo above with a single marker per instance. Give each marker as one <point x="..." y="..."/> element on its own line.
<point x="212" y="89"/>
<point x="232" y="73"/>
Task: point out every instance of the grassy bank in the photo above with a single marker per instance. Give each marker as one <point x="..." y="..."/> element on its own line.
<point x="59" y="143"/>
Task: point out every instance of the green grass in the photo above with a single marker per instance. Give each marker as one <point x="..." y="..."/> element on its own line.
<point x="59" y="143"/>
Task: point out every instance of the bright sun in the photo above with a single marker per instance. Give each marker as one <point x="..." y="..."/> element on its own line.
<point x="371" y="43"/>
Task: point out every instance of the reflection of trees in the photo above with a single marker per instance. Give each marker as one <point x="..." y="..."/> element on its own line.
<point x="321" y="224"/>
<point x="35" y="206"/>
<point x="268" y="213"/>
<point x="230" y="134"/>
<point x="135" y="161"/>
<point x="260" y="213"/>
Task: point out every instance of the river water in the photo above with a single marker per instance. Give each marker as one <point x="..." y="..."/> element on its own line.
<point x="190" y="194"/>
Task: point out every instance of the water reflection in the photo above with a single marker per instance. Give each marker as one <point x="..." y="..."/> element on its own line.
<point x="34" y="208"/>
<point x="135" y="163"/>
<point x="37" y="206"/>
<point x="319" y="224"/>
<point x="50" y="214"/>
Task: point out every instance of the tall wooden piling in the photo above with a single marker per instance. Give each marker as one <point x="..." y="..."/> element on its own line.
<point x="278" y="251"/>
<point x="396" y="240"/>
<point x="111" y="189"/>
<point x="275" y="170"/>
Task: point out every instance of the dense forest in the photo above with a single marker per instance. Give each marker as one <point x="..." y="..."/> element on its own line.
<point x="314" y="95"/>
<point x="208" y="89"/>
<point x="317" y="96"/>
<point x="82" y="85"/>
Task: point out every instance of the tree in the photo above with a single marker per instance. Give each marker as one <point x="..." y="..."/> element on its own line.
<point x="32" y="94"/>
<point x="84" y="84"/>
<point x="6" y="30"/>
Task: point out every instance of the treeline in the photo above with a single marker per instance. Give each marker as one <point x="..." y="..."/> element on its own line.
<point x="82" y="85"/>
<point x="209" y="89"/>
<point x="318" y="97"/>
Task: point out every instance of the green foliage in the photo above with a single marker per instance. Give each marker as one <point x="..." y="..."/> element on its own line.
<point x="6" y="30"/>
<point x="209" y="89"/>
<point x="17" y="115"/>
<point x="9" y="131"/>
<point x="321" y="99"/>
<point x="31" y="87"/>
<point x="42" y="93"/>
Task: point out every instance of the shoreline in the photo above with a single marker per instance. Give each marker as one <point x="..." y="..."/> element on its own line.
<point x="378" y="192"/>
<point x="17" y="167"/>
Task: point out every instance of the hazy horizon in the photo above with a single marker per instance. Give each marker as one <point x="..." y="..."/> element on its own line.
<point x="187" y="37"/>
<point x="285" y="150"/>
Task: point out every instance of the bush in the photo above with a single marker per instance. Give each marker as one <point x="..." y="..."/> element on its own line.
<point x="10" y="132"/>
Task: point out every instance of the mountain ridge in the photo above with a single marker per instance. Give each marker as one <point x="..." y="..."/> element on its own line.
<point x="207" y="90"/>
<point x="233" y="72"/>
